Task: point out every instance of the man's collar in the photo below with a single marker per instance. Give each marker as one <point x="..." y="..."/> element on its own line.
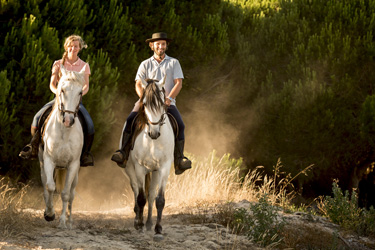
<point x="165" y="58"/>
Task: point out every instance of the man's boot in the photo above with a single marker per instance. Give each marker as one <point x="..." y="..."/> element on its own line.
<point x="121" y="156"/>
<point x="181" y="163"/>
<point x="30" y="151"/>
<point x="87" y="158"/>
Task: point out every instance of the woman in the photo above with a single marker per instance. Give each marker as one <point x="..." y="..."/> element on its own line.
<point x="73" y="45"/>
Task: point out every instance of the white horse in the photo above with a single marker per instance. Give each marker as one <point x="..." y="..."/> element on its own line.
<point x="63" y="141"/>
<point x="150" y="161"/>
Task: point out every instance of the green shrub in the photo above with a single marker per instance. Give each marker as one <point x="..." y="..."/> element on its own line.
<point x="343" y="210"/>
<point x="262" y="224"/>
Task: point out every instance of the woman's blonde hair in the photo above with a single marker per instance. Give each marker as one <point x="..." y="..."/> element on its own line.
<point x="68" y="40"/>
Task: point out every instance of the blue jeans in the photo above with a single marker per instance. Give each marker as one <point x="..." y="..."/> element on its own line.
<point x="88" y="127"/>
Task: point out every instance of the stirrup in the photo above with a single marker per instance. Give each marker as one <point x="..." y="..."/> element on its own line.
<point x="118" y="157"/>
<point x="27" y="152"/>
<point x="87" y="159"/>
<point x="179" y="168"/>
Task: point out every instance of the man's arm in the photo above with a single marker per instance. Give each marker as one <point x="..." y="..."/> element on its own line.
<point x="138" y="87"/>
<point x="176" y="89"/>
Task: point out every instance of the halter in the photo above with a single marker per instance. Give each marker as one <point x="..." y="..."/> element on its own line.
<point x="63" y="110"/>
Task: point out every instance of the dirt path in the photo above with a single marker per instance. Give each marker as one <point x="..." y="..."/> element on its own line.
<point x="114" y="230"/>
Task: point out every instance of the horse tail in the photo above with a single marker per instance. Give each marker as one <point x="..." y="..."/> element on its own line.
<point x="59" y="177"/>
<point x="147" y="183"/>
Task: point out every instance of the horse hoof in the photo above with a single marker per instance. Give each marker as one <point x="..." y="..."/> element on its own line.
<point x="49" y="218"/>
<point x="158" y="237"/>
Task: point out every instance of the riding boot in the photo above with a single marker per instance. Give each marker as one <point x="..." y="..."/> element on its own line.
<point x="121" y="156"/>
<point x="30" y="151"/>
<point x="87" y="158"/>
<point x="181" y="163"/>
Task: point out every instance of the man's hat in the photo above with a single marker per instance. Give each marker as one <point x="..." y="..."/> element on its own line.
<point x="158" y="36"/>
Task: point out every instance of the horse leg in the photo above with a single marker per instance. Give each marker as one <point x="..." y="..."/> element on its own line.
<point x="46" y="172"/>
<point x="72" y="171"/>
<point x="160" y="200"/>
<point x="151" y="197"/>
<point x="139" y="208"/>
<point x="71" y="198"/>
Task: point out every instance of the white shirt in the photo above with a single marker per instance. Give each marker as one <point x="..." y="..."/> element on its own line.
<point x="151" y="69"/>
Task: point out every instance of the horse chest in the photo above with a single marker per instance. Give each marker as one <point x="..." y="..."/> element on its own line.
<point x="63" y="150"/>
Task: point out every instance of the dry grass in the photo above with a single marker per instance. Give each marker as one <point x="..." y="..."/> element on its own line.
<point x="11" y="201"/>
<point x="212" y="180"/>
<point x="205" y="194"/>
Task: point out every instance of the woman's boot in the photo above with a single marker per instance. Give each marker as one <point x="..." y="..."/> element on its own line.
<point x="30" y="151"/>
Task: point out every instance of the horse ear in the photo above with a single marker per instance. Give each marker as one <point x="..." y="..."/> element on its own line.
<point x="62" y="69"/>
<point x="161" y="83"/>
<point x="83" y="70"/>
<point x="144" y="83"/>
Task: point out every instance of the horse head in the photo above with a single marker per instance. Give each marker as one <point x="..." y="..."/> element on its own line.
<point x="69" y="94"/>
<point x="153" y="100"/>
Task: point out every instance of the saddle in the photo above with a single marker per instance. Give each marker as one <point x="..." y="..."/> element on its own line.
<point x="138" y="125"/>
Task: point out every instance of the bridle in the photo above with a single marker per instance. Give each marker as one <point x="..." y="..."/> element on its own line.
<point x="160" y="122"/>
<point x="162" y="118"/>
<point x="63" y="110"/>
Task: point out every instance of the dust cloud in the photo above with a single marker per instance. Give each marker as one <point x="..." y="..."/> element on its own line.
<point x="105" y="186"/>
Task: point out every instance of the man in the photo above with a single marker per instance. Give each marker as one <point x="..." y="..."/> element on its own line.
<point x="156" y="67"/>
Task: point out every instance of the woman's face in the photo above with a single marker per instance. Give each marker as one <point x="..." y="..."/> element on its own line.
<point x="73" y="48"/>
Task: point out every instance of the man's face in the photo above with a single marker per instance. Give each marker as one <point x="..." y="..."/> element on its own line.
<point x="159" y="47"/>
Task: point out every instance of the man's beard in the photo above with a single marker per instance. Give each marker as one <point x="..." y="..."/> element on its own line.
<point x="159" y="53"/>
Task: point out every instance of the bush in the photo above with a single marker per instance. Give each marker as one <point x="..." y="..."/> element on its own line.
<point x="262" y="224"/>
<point x="343" y="210"/>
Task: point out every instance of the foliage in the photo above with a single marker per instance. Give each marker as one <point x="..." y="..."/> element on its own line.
<point x="343" y="209"/>
<point x="261" y="225"/>
<point x="299" y="71"/>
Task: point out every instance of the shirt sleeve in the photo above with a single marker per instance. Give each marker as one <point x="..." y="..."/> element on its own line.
<point x="141" y="73"/>
<point x="56" y="66"/>
<point x="87" y="69"/>
<point x="177" y="71"/>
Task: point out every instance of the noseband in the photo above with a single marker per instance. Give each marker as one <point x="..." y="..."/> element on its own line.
<point x="160" y="122"/>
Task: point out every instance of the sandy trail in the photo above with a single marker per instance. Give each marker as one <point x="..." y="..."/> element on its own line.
<point x="114" y="230"/>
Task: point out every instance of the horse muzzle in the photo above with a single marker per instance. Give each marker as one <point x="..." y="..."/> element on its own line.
<point x="68" y="120"/>
<point x="154" y="135"/>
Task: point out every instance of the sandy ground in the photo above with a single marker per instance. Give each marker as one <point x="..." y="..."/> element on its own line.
<point x="114" y="230"/>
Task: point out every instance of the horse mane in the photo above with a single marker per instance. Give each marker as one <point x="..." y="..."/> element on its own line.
<point x="73" y="78"/>
<point x="153" y="100"/>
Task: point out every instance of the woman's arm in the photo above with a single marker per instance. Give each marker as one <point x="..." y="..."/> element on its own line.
<point x="86" y="87"/>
